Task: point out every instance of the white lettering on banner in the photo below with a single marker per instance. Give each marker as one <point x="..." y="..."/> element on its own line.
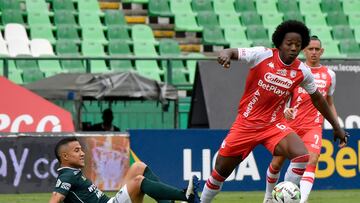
<point x="271" y="88"/>
<point x="3" y="168"/>
<point x="278" y="80"/>
<point x="248" y="167"/>
<point x="351" y="121"/>
<point x="18" y="166"/>
<point x="26" y="119"/>
<point x="36" y="168"/>
<point x="53" y="168"/>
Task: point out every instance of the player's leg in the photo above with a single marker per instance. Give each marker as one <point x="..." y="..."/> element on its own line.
<point x="312" y="140"/>
<point x="272" y="176"/>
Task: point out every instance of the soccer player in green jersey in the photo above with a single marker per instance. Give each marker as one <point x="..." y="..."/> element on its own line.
<point x="72" y="187"/>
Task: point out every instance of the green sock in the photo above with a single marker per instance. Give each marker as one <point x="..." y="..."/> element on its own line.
<point x="148" y="173"/>
<point x="161" y="191"/>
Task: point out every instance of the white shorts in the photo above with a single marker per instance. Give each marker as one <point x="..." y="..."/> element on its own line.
<point x="121" y="197"/>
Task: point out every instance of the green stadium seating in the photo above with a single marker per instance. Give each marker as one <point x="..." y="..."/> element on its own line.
<point x="67" y="32"/>
<point x="120" y="48"/>
<point x="12" y="16"/>
<point x="26" y="65"/>
<point x="214" y="36"/>
<point x="191" y="65"/>
<point x="354" y="20"/>
<point x="272" y="19"/>
<point x="136" y="1"/>
<point x="69" y="48"/>
<point x="350" y="48"/>
<point x="89" y="6"/>
<point x="43" y="32"/>
<point x="310" y="7"/>
<point x="202" y="5"/>
<point x="357" y="33"/>
<point x="351" y="6"/>
<point x="37" y="6"/>
<point x="38" y="19"/>
<point x="147" y="68"/>
<point x="207" y="19"/>
<point x="240" y="44"/>
<point x="118" y="33"/>
<point x="67" y="5"/>
<point x="32" y="75"/>
<point x="224" y="7"/>
<point x="266" y="6"/>
<point x="244" y="6"/>
<point x="115" y="18"/>
<point x="180" y="6"/>
<point x="331" y="49"/>
<point x="229" y="20"/>
<point x="288" y="5"/>
<point x="250" y="18"/>
<point x="262" y="42"/>
<point x="294" y="16"/>
<point x="235" y="34"/>
<point x="256" y="33"/>
<point x="93" y="34"/>
<point x="143" y="33"/>
<point x="186" y="22"/>
<point x="343" y="33"/>
<point x="63" y="17"/>
<point x="89" y="19"/>
<point x="9" y="5"/>
<point x="324" y="33"/>
<point x="336" y="18"/>
<point x="184" y="108"/>
<point x="328" y="6"/>
<point x="316" y="19"/>
<point x="159" y="8"/>
<point x="15" y="75"/>
<point x="93" y="49"/>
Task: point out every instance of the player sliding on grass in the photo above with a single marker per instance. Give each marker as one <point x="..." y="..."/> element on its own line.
<point x="73" y="187"/>
<point x="273" y="75"/>
<point x="306" y="121"/>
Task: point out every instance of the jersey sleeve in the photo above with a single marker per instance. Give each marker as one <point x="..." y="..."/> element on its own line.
<point x="333" y="82"/>
<point x="308" y="83"/>
<point x="253" y="55"/>
<point x="63" y="184"/>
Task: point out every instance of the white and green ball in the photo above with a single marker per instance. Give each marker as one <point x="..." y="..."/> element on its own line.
<point x="286" y="192"/>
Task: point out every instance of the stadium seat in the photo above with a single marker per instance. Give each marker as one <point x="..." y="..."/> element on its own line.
<point x="89" y="19"/>
<point x="207" y="19"/>
<point x="224" y="7"/>
<point x="147" y="68"/>
<point x="357" y="34"/>
<point x="324" y="33"/>
<point x="136" y="1"/>
<point x="18" y="47"/>
<point x="331" y="49"/>
<point x="244" y="6"/>
<point x="42" y="32"/>
<point x="293" y="16"/>
<point x="94" y="49"/>
<point x="351" y="6"/>
<point x="89" y="6"/>
<point x="214" y="36"/>
<point x="120" y="48"/>
<point x="115" y="18"/>
<point x="343" y="33"/>
<point x="14" y="31"/>
<point x="240" y="44"/>
<point x="69" y="48"/>
<point x="38" y="19"/>
<point x="67" y="32"/>
<point x="63" y="17"/>
<point x="328" y="6"/>
<point x="9" y="5"/>
<point x="336" y="18"/>
<point x="119" y="33"/>
<point x="310" y="7"/>
<point x="229" y="20"/>
<point x="235" y="34"/>
<point x="191" y="65"/>
<point x="315" y="19"/>
<point x="66" y="5"/>
<point x="250" y="18"/>
<point x="143" y="33"/>
<point x="93" y="34"/>
<point x="3" y="49"/>
<point x="180" y="6"/>
<point x="262" y="42"/>
<point x="186" y="22"/>
<point x="350" y="48"/>
<point x="266" y="6"/>
<point x="12" y="16"/>
<point x="159" y="8"/>
<point x="37" y="6"/>
<point x="42" y="47"/>
<point x="288" y="5"/>
<point x="15" y="75"/>
<point x="354" y="20"/>
<point x="32" y="75"/>
<point x="256" y="33"/>
<point x="27" y="65"/>
<point x="272" y="19"/>
<point x="202" y="5"/>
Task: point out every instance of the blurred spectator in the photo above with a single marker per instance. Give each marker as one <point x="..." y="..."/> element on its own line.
<point x="106" y="125"/>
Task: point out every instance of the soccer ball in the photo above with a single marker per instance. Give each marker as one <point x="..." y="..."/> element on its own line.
<point x="286" y="192"/>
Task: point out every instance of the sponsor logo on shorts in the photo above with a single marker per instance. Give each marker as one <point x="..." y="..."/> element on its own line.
<point x="278" y="80"/>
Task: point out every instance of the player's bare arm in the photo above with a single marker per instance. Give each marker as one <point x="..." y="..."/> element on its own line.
<point x="330" y="101"/>
<point x="226" y="55"/>
<point x="322" y="106"/>
<point x="56" y="198"/>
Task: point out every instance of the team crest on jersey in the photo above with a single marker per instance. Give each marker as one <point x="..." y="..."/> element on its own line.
<point x="271" y="65"/>
<point x="293" y="73"/>
<point x="323" y="76"/>
<point x="282" y="72"/>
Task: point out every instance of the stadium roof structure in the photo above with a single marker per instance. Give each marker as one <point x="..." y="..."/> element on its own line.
<point x="110" y="86"/>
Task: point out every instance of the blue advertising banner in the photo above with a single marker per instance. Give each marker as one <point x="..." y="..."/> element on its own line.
<point x="176" y="154"/>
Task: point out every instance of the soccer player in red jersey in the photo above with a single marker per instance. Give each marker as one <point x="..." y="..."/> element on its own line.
<point x="273" y="75"/>
<point x="306" y="121"/>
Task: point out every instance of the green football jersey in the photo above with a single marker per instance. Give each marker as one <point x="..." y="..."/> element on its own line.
<point x="76" y="188"/>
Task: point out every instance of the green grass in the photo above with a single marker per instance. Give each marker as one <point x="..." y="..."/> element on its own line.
<point x="323" y="196"/>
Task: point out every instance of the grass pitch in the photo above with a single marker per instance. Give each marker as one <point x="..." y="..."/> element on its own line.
<point x="321" y="196"/>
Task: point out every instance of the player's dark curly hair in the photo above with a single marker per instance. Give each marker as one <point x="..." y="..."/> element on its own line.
<point x="62" y="142"/>
<point x="291" y="26"/>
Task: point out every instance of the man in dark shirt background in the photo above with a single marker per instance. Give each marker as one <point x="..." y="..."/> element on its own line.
<point x="106" y="125"/>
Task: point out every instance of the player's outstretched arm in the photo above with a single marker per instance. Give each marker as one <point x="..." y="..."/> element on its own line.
<point x="321" y="105"/>
<point x="226" y="55"/>
<point x="56" y="198"/>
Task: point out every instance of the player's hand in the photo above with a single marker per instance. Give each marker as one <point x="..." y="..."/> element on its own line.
<point x="342" y="136"/>
<point x="224" y="59"/>
<point x="289" y="113"/>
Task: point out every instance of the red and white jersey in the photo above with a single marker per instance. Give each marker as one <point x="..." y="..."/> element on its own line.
<point x="307" y="116"/>
<point x="268" y="86"/>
